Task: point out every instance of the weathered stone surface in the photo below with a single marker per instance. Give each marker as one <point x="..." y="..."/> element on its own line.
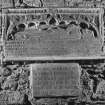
<point x="3" y="98"/>
<point x="33" y="3"/>
<point x="7" y="3"/>
<point x="1" y="71"/>
<point x="15" y="83"/>
<point x="10" y="84"/>
<point x="92" y="81"/>
<point x="87" y="86"/>
<point x="53" y="3"/>
<point x="6" y="71"/>
<point x="15" y="97"/>
<point x="100" y="92"/>
<point x="55" y="80"/>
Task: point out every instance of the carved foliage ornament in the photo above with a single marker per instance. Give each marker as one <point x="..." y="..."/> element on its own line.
<point x="50" y="21"/>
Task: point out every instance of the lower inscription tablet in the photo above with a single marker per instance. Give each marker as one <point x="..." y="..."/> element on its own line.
<point x="55" y="79"/>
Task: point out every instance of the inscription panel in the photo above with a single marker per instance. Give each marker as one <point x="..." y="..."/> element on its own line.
<point x="68" y="32"/>
<point x="55" y="79"/>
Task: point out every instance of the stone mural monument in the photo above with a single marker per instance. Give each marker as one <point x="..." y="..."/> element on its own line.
<point x="52" y="52"/>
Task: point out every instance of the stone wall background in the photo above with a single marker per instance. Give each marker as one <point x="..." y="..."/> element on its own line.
<point x="14" y="84"/>
<point x="14" y="78"/>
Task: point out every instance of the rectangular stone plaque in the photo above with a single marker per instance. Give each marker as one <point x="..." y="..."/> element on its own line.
<point x="46" y="41"/>
<point x="55" y="79"/>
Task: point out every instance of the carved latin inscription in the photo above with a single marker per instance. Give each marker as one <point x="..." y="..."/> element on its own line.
<point x="55" y="79"/>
